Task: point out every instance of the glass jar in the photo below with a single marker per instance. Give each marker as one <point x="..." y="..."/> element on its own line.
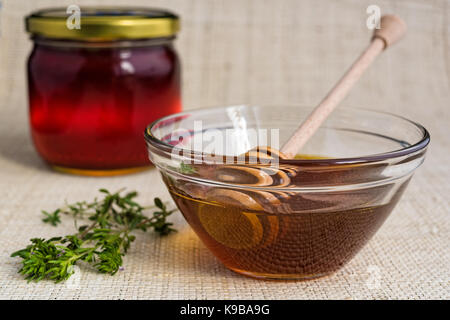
<point x="93" y="90"/>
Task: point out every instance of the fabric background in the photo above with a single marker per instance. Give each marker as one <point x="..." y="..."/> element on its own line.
<point x="257" y="52"/>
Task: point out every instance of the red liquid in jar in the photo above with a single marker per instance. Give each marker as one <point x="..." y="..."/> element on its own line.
<point x="89" y="106"/>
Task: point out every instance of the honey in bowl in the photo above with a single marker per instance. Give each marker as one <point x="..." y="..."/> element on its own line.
<point x="285" y="235"/>
<point x="301" y="218"/>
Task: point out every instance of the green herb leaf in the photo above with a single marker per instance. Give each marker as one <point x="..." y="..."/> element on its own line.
<point x="187" y="169"/>
<point x="52" y="218"/>
<point x="101" y="243"/>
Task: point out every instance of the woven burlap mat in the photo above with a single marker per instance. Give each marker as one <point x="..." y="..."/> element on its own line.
<point x="265" y="52"/>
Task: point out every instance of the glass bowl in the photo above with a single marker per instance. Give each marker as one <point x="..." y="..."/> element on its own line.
<point x="269" y="217"/>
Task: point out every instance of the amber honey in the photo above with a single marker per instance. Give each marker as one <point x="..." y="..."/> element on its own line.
<point x="290" y="218"/>
<point x="301" y="235"/>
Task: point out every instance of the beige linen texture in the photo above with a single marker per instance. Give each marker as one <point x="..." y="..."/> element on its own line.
<point x="257" y="52"/>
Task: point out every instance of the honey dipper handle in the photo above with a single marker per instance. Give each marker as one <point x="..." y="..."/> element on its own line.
<point x="392" y="29"/>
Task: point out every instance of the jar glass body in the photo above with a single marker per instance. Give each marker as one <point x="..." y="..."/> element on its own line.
<point x="90" y="102"/>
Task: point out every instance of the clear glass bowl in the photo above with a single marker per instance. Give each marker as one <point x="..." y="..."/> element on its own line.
<point x="292" y="218"/>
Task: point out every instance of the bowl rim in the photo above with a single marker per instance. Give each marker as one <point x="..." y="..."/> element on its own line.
<point x="408" y="150"/>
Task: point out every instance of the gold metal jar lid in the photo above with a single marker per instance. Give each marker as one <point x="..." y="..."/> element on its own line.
<point x="103" y="23"/>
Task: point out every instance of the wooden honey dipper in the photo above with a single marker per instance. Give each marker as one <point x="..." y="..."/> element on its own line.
<point x="392" y="29"/>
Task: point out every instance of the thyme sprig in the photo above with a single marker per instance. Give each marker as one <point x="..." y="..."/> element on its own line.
<point x="102" y="242"/>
